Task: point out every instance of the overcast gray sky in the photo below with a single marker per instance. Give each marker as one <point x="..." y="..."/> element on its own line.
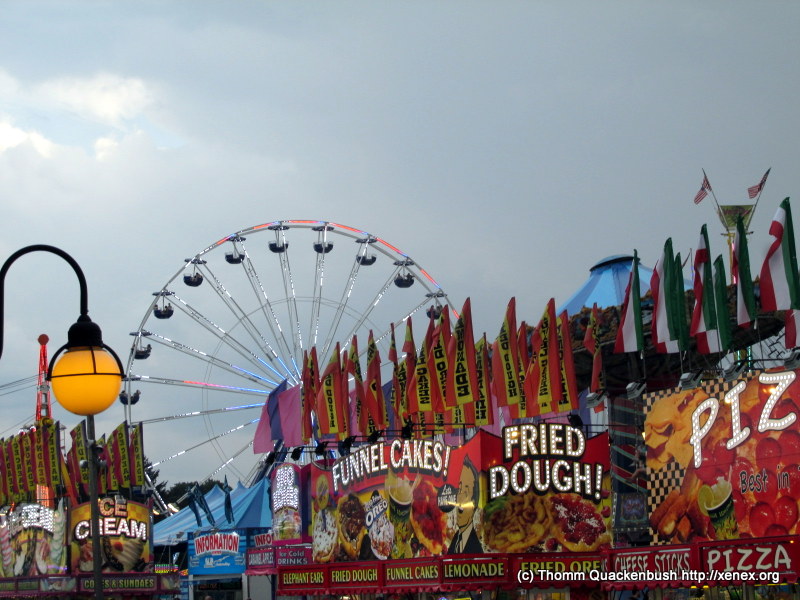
<point x="505" y="146"/>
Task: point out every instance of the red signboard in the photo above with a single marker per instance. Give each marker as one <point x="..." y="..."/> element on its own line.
<point x="546" y="570"/>
<point x="261" y="561"/>
<point x="724" y="459"/>
<point x="472" y="572"/>
<point x="360" y="576"/>
<point x="755" y="561"/>
<point x="411" y="573"/>
<point x="296" y="581"/>
<point x="538" y="488"/>
<point x="287" y="556"/>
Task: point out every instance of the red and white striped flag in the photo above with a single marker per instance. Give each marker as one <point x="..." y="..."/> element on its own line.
<point x="779" y="281"/>
<point x="755" y="190"/>
<point x="705" y="187"/>
<point x="704" y="315"/>
<point x="662" y="340"/>
<point x="629" y="332"/>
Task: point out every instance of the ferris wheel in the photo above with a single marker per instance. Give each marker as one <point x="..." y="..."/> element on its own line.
<point x="235" y="320"/>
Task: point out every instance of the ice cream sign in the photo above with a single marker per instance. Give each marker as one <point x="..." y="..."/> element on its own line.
<point x="114" y="520"/>
<point x="125" y="530"/>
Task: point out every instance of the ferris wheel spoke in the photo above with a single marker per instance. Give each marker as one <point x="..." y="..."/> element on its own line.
<point x="210" y="440"/>
<point x="342" y="306"/>
<point x="213" y="360"/>
<point x="241" y="315"/>
<point x="289" y="291"/>
<point x="247" y="324"/>
<point x="365" y="315"/>
<point x="198" y="384"/>
<point x="226" y="338"/>
<point x="229" y="462"/>
<point x="202" y="413"/>
<point x="270" y="316"/>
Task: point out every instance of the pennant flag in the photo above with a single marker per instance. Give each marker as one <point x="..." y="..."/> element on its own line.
<point x="26" y="448"/>
<point x="660" y="285"/>
<point x="567" y="380"/>
<point x="263" y="440"/>
<point x="200" y="500"/>
<point x="462" y="378"/>
<point x="195" y="510"/>
<point x="591" y="342"/>
<point x="136" y="454"/>
<point x="279" y="419"/>
<point x="332" y="402"/>
<point x="705" y="187"/>
<point x="483" y="409"/>
<point x="721" y="301"/>
<point x="629" y="333"/>
<point x="543" y="385"/>
<point x="353" y="367"/>
<point x="392" y="421"/>
<point x="779" y="281"/>
<point x="79" y="444"/>
<point x="419" y="386"/>
<point x="792" y="327"/>
<point x="398" y="386"/>
<point x="704" y="314"/>
<point x="310" y="379"/>
<point x="373" y="390"/>
<point x="679" y="323"/>
<point x="228" y="504"/>
<point x="505" y="364"/>
<point x="740" y="273"/>
<point x="755" y="190"/>
<point x="438" y="367"/>
<point x="410" y="363"/>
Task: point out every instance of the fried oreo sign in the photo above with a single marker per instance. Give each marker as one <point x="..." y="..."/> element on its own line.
<point x="549" y="458"/>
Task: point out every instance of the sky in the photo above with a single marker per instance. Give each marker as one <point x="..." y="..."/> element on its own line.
<point x="505" y="146"/>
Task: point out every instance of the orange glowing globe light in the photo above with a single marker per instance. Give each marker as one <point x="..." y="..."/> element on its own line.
<point x="86" y="380"/>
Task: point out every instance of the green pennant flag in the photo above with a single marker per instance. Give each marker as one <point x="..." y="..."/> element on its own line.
<point x="721" y="301"/>
<point x="745" y="297"/>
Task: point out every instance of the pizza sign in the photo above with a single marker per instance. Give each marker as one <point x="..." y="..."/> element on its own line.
<point x="726" y="457"/>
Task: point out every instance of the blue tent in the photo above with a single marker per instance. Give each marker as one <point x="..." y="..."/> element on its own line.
<point x="251" y="508"/>
<point x="607" y="282"/>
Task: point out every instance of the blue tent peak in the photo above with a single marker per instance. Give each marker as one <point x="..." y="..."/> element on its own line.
<point x="607" y="282"/>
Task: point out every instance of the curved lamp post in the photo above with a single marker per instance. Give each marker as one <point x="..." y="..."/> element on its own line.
<point x="86" y="377"/>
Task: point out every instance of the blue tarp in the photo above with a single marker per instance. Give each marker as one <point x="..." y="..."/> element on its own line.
<point x="607" y="282"/>
<point x="250" y="509"/>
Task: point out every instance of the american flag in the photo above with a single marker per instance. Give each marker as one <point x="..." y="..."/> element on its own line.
<point x="756" y="189"/>
<point x="704" y="189"/>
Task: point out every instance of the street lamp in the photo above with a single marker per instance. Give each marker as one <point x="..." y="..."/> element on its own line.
<point x="86" y="377"/>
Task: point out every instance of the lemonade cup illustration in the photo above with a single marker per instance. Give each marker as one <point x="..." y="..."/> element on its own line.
<point x="716" y="501"/>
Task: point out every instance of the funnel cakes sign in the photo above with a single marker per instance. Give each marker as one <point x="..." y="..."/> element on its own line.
<point x="418" y="498"/>
<point x="724" y="459"/>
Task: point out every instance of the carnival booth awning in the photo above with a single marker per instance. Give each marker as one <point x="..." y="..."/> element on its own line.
<point x="250" y="509"/>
